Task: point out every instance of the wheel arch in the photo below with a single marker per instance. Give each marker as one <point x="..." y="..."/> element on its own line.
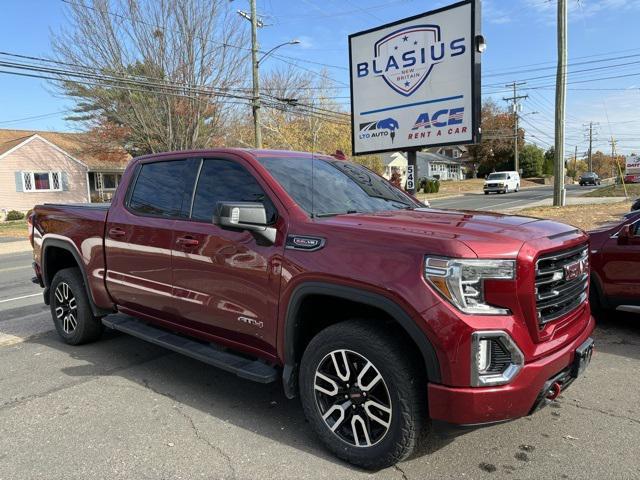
<point x="58" y="254"/>
<point x="294" y="328"/>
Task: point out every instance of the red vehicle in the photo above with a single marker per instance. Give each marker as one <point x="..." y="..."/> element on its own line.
<point x="615" y="274"/>
<point x="384" y="315"/>
<point x="631" y="178"/>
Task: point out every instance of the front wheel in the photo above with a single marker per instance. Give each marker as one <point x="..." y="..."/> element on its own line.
<point x="70" y="308"/>
<point x="362" y="394"/>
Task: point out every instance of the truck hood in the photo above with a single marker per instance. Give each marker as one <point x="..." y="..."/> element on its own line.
<point x="489" y="235"/>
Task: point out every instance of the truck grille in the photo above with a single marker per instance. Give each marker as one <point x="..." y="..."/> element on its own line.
<point x="562" y="279"/>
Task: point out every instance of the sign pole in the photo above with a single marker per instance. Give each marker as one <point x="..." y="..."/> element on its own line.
<point x="412" y="171"/>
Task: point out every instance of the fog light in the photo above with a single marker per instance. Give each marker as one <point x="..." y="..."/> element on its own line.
<point x="495" y="358"/>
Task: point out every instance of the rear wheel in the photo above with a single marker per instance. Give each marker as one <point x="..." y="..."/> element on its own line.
<point x="362" y="395"/>
<point x="71" y="310"/>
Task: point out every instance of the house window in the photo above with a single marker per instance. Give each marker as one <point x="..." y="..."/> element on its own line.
<point x="42" y="181"/>
<point x="109" y="181"/>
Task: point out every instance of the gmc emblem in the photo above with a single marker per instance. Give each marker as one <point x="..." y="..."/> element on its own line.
<point x="573" y="270"/>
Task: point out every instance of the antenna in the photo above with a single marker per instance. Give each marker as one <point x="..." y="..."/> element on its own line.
<point x="313" y="162"/>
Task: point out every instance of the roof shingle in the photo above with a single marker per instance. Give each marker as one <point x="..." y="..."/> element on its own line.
<point x="81" y="146"/>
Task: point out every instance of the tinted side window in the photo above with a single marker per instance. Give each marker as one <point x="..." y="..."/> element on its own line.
<point x="159" y="189"/>
<point x="226" y="181"/>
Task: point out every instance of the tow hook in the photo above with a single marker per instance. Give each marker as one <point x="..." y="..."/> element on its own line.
<point x="553" y="391"/>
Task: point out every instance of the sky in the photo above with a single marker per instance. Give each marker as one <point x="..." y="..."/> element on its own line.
<point x="521" y="46"/>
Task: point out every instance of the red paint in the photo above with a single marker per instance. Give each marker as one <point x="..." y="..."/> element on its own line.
<point x="197" y="278"/>
<point x="615" y="262"/>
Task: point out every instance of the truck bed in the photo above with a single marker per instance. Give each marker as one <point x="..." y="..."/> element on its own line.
<point x="79" y="228"/>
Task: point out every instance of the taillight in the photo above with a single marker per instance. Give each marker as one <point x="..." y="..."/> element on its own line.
<point x="30" y="227"/>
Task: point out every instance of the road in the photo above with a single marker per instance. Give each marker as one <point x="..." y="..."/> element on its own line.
<point x="502" y="202"/>
<point x="123" y="408"/>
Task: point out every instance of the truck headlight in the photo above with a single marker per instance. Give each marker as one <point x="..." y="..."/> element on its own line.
<point x="495" y="358"/>
<point x="461" y="281"/>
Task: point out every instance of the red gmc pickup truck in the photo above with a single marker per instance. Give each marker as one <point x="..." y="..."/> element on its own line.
<point x="386" y="317"/>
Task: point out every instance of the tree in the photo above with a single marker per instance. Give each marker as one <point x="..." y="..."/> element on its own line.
<point x="299" y="113"/>
<point x="495" y="152"/>
<point x="532" y="160"/>
<point x="165" y="73"/>
<point x="549" y="160"/>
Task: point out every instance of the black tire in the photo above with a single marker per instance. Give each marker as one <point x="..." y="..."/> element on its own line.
<point x="70" y="308"/>
<point x="403" y="383"/>
<point x="486" y="193"/>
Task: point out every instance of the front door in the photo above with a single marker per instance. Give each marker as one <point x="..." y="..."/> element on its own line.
<point x="227" y="282"/>
<point x="139" y="236"/>
<point x="621" y="268"/>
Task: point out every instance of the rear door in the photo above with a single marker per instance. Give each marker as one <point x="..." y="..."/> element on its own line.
<point x="139" y="236"/>
<point x="227" y="282"/>
<point x="621" y="268"/>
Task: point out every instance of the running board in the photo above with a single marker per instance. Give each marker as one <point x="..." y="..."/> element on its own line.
<point x="628" y="308"/>
<point x="254" y="370"/>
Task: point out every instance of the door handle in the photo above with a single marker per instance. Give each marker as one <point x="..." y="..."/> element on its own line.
<point x="188" y="241"/>
<point x="116" y="232"/>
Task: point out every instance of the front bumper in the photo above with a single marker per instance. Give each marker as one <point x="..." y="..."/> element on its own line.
<point x="476" y="406"/>
<point x="495" y="189"/>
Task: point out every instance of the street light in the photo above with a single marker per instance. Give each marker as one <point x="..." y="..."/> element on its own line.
<point x="255" y="63"/>
<point x="290" y="42"/>
<point x="256" y="81"/>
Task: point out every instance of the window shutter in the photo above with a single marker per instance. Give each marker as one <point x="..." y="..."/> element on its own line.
<point x="18" y="176"/>
<point x="65" y="181"/>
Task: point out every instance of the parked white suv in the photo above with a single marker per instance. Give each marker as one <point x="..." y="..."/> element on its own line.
<point x="502" y="182"/>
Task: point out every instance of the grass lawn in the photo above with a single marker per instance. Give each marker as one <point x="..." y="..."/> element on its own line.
<point x="17" y="228"/>
<point x="586" y="217"/>
<point x="633" y="189"/>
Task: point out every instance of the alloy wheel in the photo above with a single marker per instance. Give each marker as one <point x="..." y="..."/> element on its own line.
<point x="66" y="307"/>
<point x="353" y="398"/>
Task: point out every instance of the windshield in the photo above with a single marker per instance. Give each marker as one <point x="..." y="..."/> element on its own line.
<point x="497" y="176"/>
<point x="338" y="187"/>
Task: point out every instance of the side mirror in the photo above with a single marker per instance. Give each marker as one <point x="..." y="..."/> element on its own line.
<point x="245" y="216"/>
<point x="628" y="235"/>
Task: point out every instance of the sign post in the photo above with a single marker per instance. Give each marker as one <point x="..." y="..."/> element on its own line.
<point x="415" y="83"/>
<point x="411" y="172"/>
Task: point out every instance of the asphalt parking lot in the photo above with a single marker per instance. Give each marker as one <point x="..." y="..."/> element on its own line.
<point x="122" y="408"/>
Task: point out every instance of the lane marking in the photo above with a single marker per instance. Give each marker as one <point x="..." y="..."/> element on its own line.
<point x="20" y="298"/>
<point x="11" y="269"/>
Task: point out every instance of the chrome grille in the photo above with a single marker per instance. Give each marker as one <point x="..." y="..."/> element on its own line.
<point x="557" y="293"/>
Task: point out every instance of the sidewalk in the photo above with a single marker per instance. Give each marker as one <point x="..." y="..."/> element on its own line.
<point x="548" y="202"/>
<point x="11" y="245"/>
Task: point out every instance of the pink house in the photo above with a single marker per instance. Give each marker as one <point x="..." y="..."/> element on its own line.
<point x="52" y="167"/>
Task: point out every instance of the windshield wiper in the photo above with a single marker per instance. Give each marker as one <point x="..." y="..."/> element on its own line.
<point x="333" y="214"/>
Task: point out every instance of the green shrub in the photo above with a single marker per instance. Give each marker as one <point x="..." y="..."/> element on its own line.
<point x="14" y="215"/>
<point x="436" y="186"/>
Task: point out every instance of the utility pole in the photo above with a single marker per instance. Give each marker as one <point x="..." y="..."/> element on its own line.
<point x="613" y="157"/>
<point x="559" y="193"/>
<point x="575" y="161"/>
<point x="256" y="76"/>
<point x="590" y="125"/>
<point x="515" y="105"/>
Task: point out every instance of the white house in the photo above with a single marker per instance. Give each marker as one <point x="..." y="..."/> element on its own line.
<point x="428" y="164"/>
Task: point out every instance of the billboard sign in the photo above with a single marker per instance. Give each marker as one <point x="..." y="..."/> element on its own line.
<point x="416" y="82"/>
<point x="632" y="165"/>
